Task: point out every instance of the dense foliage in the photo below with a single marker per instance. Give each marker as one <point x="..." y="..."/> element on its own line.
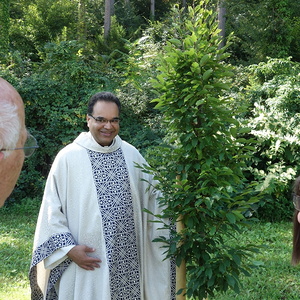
<point x="4" y="25"/>
<point x="271" y="92"/>
<point x="262" y="28"/>
<point x="268" y="28"/>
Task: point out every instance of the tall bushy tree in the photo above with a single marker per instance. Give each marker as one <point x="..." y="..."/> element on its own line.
<point x="201" y="170"/>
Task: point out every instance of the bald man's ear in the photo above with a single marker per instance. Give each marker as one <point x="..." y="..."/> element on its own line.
<point x="1" y="155"/>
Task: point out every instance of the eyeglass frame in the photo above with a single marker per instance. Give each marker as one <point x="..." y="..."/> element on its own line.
<point x="29" y="136"/>
<point x="102" y="120"/>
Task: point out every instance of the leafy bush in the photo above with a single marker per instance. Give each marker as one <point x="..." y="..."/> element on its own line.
<point x="272" y="93"/>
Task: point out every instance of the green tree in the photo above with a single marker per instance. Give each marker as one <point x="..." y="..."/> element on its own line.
<point x="200" y="171"/>
<point x="56" y="93"/>
<point x="55" y="97"/>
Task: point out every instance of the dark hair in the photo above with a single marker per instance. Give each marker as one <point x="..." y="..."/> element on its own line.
<point x="102" y="96"/>
<point x="296" y="227"/>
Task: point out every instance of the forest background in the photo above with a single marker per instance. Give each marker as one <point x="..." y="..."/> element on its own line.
<point x="57" y="53"/>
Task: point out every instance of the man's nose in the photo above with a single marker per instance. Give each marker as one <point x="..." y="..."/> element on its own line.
<point x="108" y="124"/>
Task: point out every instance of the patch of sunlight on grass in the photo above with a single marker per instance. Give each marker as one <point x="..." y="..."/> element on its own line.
<point x="14" y="290"/>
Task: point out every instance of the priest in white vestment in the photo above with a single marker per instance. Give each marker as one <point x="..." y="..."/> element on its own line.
<point x="93" y="239"/>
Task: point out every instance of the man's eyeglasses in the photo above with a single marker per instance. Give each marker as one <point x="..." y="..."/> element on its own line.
<point x="29" y="146"/>
<point x="105" y="121"/>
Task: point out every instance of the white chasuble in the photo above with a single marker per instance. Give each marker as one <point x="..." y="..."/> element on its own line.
<point x="95" y="196"/>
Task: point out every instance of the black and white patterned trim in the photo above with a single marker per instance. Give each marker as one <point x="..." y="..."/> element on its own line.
<point x="115" y="203"/>
<point x="54" y="243"/>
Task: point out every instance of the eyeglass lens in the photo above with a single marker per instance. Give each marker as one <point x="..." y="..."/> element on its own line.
<point x="30" y="145"/>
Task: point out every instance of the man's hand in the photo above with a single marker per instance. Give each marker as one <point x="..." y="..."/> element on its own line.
<point x="79" y="255"/>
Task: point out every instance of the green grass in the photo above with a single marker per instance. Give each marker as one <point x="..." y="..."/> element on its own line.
<point x="17" y="225"/>
<point x="274" y="279"/>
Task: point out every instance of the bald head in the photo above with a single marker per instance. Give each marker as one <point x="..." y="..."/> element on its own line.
<point x="9" y="93"/>
<point x="12" y="135"/>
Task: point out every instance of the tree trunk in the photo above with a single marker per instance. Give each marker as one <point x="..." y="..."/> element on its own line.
<point x="4" y="28"/>
<point x="152" y="9"/>
<point x="107" y="17"/>
<point x="181" y="270"/>
<point x="112" y="7"/>
<point x="221" y="19"/>
<point x="81" y="21"/>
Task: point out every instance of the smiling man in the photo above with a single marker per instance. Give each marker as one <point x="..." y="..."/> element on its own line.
<point x="104" y="125"/>
<point x="93" y="238"/>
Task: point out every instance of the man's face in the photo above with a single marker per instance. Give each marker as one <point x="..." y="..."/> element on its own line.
<point x="104" y="133"/>
<point x="10" y="167"/>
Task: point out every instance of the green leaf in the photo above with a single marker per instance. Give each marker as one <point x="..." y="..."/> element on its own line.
<point x="231" y="280"/>
<point x="207" y="74"/>
<point x="195" y="67"/>
<point x="222" y="85"/>
<point x="213" y="230"/>
<point x="258" y="263"/>
<point x="208" y="272"/>
<point x="222" y="268"/>
<point x="231" y="217"/>
<point x="233" y="131"/>
<point x="204" y="59"/>
<point x="237" y="259"/>
<point x="175" y="42"/>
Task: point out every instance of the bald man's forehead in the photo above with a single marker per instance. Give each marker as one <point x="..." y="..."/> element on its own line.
<point x="9" y="93"/>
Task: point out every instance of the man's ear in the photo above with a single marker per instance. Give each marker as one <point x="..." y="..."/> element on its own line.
<point x="87" y="120"/>
<point x="1" y="155"/>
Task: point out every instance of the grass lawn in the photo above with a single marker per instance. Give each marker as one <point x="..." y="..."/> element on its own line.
<point x="274" y="279"/>
<point x="17" y="225"/>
